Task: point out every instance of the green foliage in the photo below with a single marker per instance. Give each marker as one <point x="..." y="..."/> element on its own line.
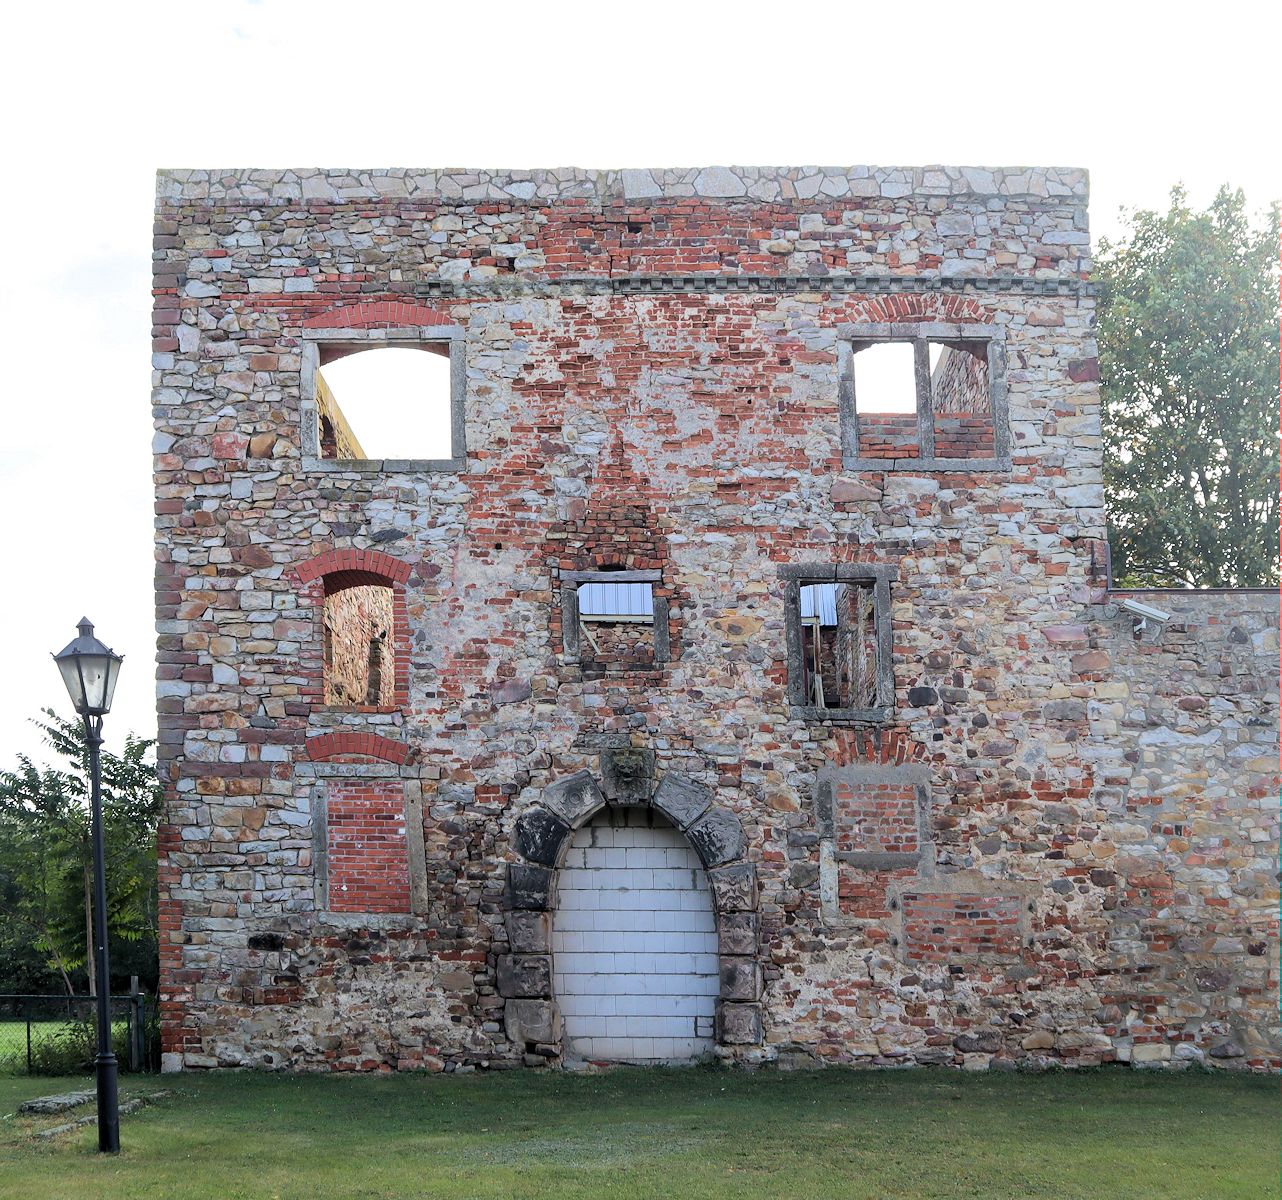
<point x="46" y="849"/>
<point x="1188" y="335"/>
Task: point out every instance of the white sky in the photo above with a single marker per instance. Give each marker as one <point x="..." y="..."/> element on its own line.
<point x="96" y="96"/>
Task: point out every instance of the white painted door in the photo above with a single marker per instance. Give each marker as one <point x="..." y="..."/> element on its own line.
<point x="634" y="942"/>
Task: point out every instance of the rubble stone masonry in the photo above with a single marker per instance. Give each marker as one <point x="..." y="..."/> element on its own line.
<point x="1059" y="848"/>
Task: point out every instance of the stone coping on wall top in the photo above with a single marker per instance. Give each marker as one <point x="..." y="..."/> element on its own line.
<point x="768" y="184"/>
<point x="1194" y="593"/>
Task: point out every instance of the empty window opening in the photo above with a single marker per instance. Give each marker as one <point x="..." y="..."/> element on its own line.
<point x="885" y="390"/>
<point x="385" y="403"/>
<point x="839" y="644"/>
<point x="961" y="397"/>
<point x="358" y="669"/>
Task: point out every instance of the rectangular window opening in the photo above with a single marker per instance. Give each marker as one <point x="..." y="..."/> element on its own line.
<point x="886" y="402"/>
<point x="961" y="399"/>
<point x="357" y="666"/>
<point x="839" y="647"/>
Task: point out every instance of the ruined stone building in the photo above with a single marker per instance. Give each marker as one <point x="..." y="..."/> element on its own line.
<point x="736" y="674"/>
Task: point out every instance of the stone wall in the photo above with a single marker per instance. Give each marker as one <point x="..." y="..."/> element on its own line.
<point x="649" y="373"/>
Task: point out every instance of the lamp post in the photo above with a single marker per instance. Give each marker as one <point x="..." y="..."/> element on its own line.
<point x="90" y="669"/>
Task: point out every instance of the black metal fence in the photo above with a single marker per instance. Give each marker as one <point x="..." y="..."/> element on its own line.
<point x="56" y="1035"/>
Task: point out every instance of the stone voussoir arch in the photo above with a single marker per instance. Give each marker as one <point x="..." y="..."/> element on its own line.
<point x="540" y="839"/>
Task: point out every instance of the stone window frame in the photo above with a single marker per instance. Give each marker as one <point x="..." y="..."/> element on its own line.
<point x="794" y="576"/>
<point x="570" y="581"/>
<point x="921" y="861"/>
<point x="919" y="335"/>
<point x="318" y="776"/>
<point x="401" y="337"/>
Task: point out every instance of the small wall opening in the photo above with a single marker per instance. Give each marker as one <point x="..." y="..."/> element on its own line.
<point x="388" y="402"/>
<point x="358" y="657"/>
<point x="634" y="942"/>
<point x="885" y="391"/>
<point x="961" y="394"/>
<point x="839" y="644"/>
<point x="616" y="623"/>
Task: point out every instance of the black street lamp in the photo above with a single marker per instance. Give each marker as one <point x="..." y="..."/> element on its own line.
<point x="90" y="669"/>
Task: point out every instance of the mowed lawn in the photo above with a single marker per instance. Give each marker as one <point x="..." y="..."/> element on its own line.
<point x="1107" y="1135"/>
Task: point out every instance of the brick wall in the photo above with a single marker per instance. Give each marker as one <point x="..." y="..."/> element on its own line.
<point x="946" y="928"/>
<point x="653" y="381"/>
<point x="368" y="860"/>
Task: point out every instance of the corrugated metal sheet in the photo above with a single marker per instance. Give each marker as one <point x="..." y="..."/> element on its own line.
<point x="819" y="599"/>
<point x="616" y="600"/>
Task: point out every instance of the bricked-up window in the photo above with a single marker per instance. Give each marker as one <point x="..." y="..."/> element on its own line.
<point x="927" y="396"/>
<point x="839" y="641"/>
<point x="383" y="400"/>
<point x="358" y="621"/>
<point x="366" y="848"/>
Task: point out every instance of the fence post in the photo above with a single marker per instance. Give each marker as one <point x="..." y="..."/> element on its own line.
<point x="28" y="1008"/>
<point x="135" y="1024"/>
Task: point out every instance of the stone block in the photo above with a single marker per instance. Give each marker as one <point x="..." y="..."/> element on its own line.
<point x="740" y="978"/>
<point x="738" y="1024"/>
<point x="627" y="775"/>
<point x="987" y="1041"/>
<point x="525" y="975"/>
<point x="529" y="887"/>
<point x="531" y="1021"/>
<point x="529" y="932"/>
<point x="738" y="932"/>
<point x="574" y="799"/>
<point x="717" y="837"/>
<point x="539" y="836"/>
<point x="681" y="799"/>
<point x="734" y="888"/>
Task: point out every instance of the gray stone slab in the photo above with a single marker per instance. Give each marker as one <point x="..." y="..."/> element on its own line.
<point x="681" y="799"/>
<point x="539" y="836"/>
<point x="717" y="837"/>
<point x="574" y="799"/>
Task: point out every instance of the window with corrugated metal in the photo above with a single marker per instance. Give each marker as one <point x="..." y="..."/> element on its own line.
<point x="616" y="602"/>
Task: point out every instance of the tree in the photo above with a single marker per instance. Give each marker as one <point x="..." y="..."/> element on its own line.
<point x="46" y="851"/>
<point x="1188" y="337"/>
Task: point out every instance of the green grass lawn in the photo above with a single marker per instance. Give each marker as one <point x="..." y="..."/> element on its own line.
<point x="1108" y="1135"/>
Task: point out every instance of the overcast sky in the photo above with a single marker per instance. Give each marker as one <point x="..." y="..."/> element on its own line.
<point x="96" y="96"/>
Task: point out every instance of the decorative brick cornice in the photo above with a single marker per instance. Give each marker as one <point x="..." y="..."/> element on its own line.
<point x="377" y="314"/>
<point x="371" y="745"/>
<point x="845" y="284"/>
<point x="351" y="560"/>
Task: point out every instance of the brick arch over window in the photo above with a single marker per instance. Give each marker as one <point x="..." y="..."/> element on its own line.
<point x="335" y="571"/>
<point x="540" y="839"/>
<point x="349" y="742"/>
<point x="377" y="314"/>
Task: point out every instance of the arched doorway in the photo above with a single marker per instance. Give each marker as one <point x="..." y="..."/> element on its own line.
<point x="634" y="942"/>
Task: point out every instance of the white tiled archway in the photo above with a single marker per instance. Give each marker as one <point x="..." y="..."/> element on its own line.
<point x="634" y="942"/>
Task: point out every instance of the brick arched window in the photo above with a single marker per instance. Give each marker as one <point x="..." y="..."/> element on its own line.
<point x="359" y="658"/>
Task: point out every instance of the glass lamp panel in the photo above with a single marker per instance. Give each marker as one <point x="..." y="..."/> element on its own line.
<point x="69" y="668"/>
